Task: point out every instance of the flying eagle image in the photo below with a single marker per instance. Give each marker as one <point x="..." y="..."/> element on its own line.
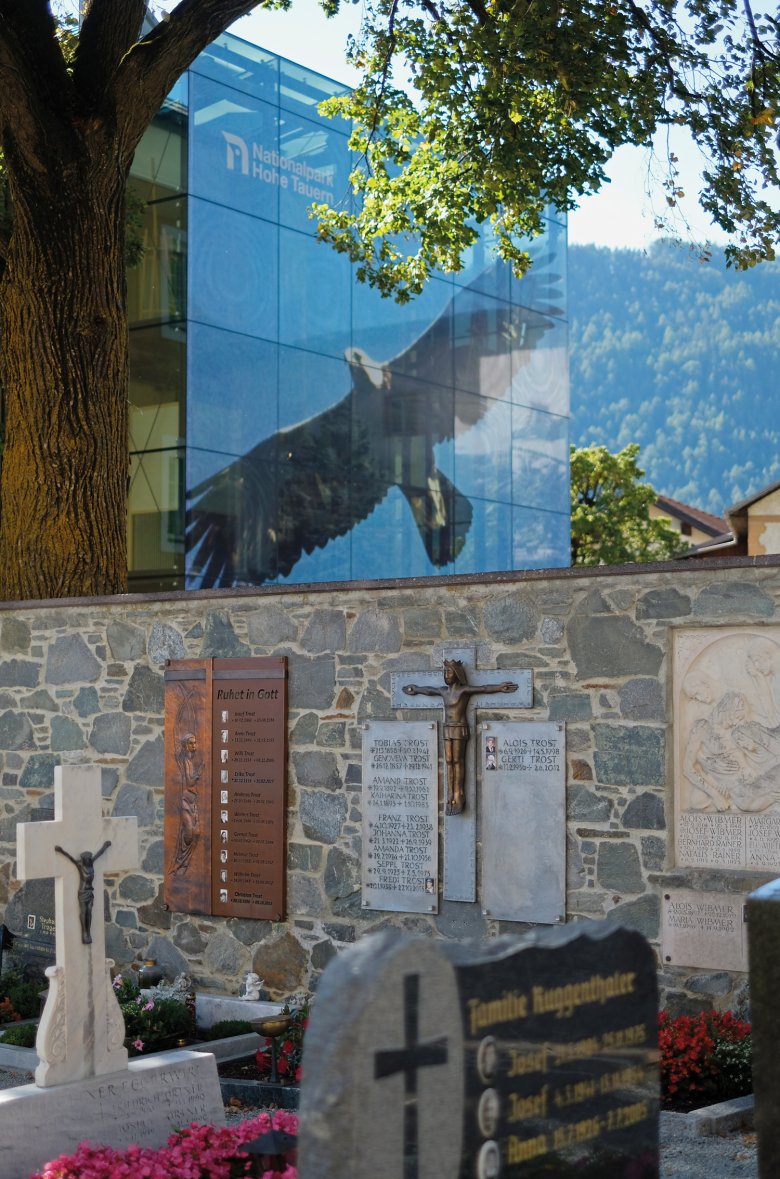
<point x="314" y="481"/>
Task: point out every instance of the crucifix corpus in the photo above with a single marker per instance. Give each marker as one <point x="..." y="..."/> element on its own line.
<point x="455" y="695"/>
<point x="460" y="695"/>
<point x="81" y="1031"/>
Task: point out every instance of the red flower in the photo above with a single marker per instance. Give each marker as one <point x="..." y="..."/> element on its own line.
<point x="298" y="1072"/>
<point x="288" y="1047"/>
<point x="282" y="1066"/>
<point x="263" y="1061"/>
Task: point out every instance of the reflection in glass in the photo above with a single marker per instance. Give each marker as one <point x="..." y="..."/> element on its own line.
<point x="483" y="453"/>
<point x="233" y="272"/>
<point x="540" y="368"/>
<point x="157" y="285"/>
<point x="218" y="359"/>
<point x="540" y="539"/>
<point x="316" y="163"/>
<point x="314" y="295"/>
<point x="540" y="459"/>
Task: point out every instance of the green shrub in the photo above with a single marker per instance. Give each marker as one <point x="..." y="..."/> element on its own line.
<point x="227" y="1027"/>
<point x="20" y="1034"/>
<point x="152" y="1025"/>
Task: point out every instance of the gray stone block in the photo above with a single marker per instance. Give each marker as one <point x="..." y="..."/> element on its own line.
<point x="663" y="603"/>
<point x="125" y="640"/>
<point x="86" y="701"/>
<point x="322" y="954"/>
<point x="459" y="920"/>
<point x="641" y="700"/>
<point x="653" y="853"/>
<point x="135" y="800"/>
<point x="145" y="692"/>
<point x="16" y="731"/>
<point x="271" y="625"/>
<point x="220" y="640"/>
<point x="167" y="956"/>
<point x="225" y="955"/>
<point x="154" y="858"/>
<point x="146" y="768"/>
<point x="552" y="629"/>
<point x="317" y="768"/>
<point x="629" y="755"/>
<point x="568" y="706"/>
<point x="136" y="888"/>
<point x="714" y="982"/>
<point x="165" y="643"/>
<point x="322" y="815"/>
<point x="65" y="734"/>
<point x="342" y="874"/>
<point x="643" y="914"/>
<point x="304" y="898"/>
<point x="41" y="700"/>
<point x="645" y="812"/>
<point x="19" y="673"/>
<point x="612" y="646"/>
<point x="618" y="868"/>
<point x="732" y="599"/>
<point x="70" y="661"/>
<point x="312" y="681"/>
<point x="584" y="804"/>
<point x="326" y="631"/>
<point x="38" y="774"/>
<point x="305" y="729"/>
<point x="187" y="937"/>
<point x="514" y="618"/>
<point x="14" y="635"/>
<point x="375" y="630"/>
<point x="110" y="733"/>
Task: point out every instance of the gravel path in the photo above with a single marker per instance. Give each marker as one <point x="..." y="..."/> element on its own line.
<point x="683" y="1156"/>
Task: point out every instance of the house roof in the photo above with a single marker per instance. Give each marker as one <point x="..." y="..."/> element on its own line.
<point x="704" y="521"/>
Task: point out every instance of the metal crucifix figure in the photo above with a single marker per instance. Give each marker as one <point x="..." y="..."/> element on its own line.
<point x="85" y="866"/>
<point x="455" y="695"/>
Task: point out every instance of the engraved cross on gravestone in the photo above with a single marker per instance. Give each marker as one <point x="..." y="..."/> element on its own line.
<point x="81" y="1031"/>
<point x="414" y="1055"/>
<point x="460" y="830"/>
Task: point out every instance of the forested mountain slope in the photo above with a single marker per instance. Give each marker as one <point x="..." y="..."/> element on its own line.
<point x="682" y="357"/>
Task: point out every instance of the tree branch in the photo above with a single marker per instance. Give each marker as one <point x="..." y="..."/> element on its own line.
<point x="108" y="31"/>
<point x="150" y="68"/>
<point x="33" y="79"/>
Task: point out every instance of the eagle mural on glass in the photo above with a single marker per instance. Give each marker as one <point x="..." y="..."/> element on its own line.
<point x="314" y="481"/>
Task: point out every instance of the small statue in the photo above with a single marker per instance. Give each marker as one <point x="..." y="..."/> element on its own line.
<point x="455" y="696"/>
<point x="85" y="866"/>
<point x="252" y="985"/>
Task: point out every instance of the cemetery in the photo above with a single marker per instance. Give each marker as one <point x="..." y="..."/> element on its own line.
<point x="251" y="788"/>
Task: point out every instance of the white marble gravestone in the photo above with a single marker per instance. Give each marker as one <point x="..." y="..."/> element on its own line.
<point x="85" y="1088"/>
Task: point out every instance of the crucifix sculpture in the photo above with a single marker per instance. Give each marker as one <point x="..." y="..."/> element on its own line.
<point x="455" y="695"/>
<point x="81" y="1031"/>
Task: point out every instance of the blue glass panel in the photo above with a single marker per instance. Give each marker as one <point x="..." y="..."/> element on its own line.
<point x="315" y="295"/>
<point x="310" y="385"/>
<point x="177" y="97"/>
<point x="413" y="338"/>
<point x="540" y="539"/>
<point x="540" y="365"/>
<point x="220" y="361"/>
<point x="331" y="563"/>
<point x="544" y="287"/>
<point x="540" y="448"/>
<point x="234" y="149"/>
<point x="483" y="447"/>
<point x="235" y="63"/>
<point x="406" y="426"/>
<point x="233" y="272"/>
<point x="482" y="270"/>
<point x="488" y="544"/>
<point x="302" y="90"/>
<point x="483" y="331"/>
<point x="390" y="539"/>
<point x="315" y="163"/>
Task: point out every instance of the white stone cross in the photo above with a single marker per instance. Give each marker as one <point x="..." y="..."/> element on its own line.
<point x="81" y="1031"/>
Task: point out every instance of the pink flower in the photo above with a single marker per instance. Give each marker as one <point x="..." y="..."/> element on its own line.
<point x="139" y="1045"/>
<point x="149" y="1006"/>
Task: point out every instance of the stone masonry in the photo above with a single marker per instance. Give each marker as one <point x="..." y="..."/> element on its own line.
<point x="82" y="682"/>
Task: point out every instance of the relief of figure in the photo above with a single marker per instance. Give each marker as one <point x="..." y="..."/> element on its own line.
<point x="455" y="695"/>
<point x="760" y="667"/>
<point x="85" y="866"/>
<point x="732" y="760"/>
<point x="190" y="766"/>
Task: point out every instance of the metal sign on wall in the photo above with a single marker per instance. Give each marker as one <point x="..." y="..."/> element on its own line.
<point x="226" y="786"/>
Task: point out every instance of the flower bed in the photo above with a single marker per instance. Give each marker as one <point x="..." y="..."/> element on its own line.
<point x="196" y="1152"/>
<point x="705" y="1058"/>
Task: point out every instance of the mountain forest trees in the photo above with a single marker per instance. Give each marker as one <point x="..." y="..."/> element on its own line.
<point x="513" y="105"/>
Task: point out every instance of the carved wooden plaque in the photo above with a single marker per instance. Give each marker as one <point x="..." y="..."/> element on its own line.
<point x="225" y="787"/>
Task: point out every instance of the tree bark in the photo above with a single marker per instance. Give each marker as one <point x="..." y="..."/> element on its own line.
<point x="63" y="371"/>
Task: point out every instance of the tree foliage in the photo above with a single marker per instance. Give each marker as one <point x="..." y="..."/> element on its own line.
<point x="678" y="357"/>
<point x="610" y="511"/>
<point x="475" y="110"/>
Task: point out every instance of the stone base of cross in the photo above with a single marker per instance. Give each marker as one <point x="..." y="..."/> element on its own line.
<point x="81" y="1032"/>
<point x="460" y="830"/>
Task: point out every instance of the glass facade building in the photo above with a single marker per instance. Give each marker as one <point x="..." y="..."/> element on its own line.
<point x="287" y="423"/>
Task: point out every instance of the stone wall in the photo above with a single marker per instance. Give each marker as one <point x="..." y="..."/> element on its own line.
<point x="82" y="682"/>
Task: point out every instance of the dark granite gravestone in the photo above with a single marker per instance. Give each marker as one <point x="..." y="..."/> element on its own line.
<point x="763" y="913"/>
<point x="29" y="917"/>
<point x="524" y="1057"/>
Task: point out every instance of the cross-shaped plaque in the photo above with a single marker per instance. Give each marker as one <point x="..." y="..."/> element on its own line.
<point x="414" y="1055"/>
<point x="81" y="1031"/>
<point x="424" y="689"/>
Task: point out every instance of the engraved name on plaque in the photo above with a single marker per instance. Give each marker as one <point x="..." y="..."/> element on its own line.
<point x="400" y="817"/>
<point x="225" y="787"/>
<point x="523" y="790"/>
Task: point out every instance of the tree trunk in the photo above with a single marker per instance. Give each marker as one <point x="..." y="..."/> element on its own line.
<point x="63" y="372"/>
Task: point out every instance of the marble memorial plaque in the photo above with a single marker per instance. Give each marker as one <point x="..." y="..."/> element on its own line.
<point x="704" y="929"/>
<point x="143" y="1105"/>
<point x="726" y="698"/>
<point x="522" y="767"/>
<point x="530" y="1056"/>
<point x="400" y="817"/>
